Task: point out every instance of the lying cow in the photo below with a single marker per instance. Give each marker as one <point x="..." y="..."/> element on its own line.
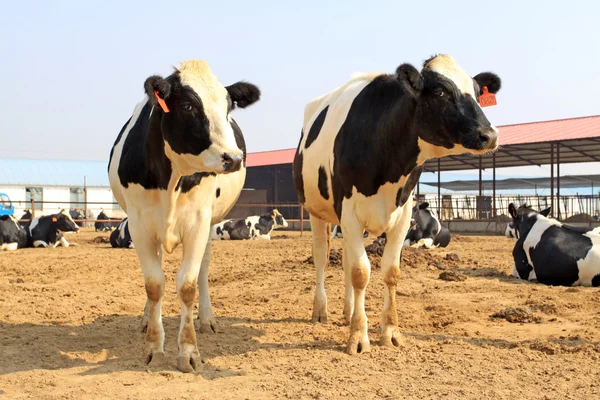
<point x="426" y="229"/>
<point x="47" y="231"/>
<point x="77" y="215"/>
<point x="552" y="252"/>
<point x="361" y="153"/>
<point x="254" y="227"/>
<point x="101" y="226"/>
<point x="12" y="235"/>
<point x="509" y="231"/>
<point x="120" y="237"/>
<point x="25" y="219"/>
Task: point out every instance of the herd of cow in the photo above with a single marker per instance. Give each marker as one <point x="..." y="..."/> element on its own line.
<point x="178" y="166"/>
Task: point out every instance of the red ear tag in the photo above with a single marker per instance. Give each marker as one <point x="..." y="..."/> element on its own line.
<point x="161" y="103"/>
<point x="54" y="219"/>
<point x="487" y="99"/>
<point x="272" y="216"/>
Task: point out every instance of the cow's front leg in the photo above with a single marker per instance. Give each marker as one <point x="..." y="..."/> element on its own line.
<point x="205" y="314"/>
<point x="321" y="244"/>
<point x="359" y="269"/>
<point x="194" y="244"/>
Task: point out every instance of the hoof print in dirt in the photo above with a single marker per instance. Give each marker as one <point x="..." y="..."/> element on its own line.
<point x="452" y="276"/>
<point x="517" y="315"/>
<point x="100" y="240"/>
<point x="452" y="257"/>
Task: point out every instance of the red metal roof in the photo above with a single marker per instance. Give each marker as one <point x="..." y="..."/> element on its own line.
<point x="516" y="134"/>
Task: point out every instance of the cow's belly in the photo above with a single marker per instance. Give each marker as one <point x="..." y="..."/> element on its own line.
<point x="378" y="213"/>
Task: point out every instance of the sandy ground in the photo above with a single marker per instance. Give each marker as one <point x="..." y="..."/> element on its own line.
<point x="69" y="328"/>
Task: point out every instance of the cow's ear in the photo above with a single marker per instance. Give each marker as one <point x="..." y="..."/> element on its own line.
<point x="411" y="78"/>
<point x="157" y="88"/>
<point x="546" y="212"/>
<point x="243" y="94"/>
<point x="423" y="206"/>
<point x="54" y="219"/>
<point x="489" y="79"/>
<point x="512" y="210"/>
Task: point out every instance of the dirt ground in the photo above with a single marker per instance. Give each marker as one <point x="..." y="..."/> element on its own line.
<point x="69" y="327"/>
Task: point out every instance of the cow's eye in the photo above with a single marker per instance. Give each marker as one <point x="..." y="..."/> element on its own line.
<point x="186" y="106"/>
<point x="439" y="93"/>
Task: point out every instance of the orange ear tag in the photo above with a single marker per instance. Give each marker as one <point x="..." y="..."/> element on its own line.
<point x="54" y="219"/>
<point x="161" y="103"/>
<point x="487" y="99"/>
<point x="272" y="216"/>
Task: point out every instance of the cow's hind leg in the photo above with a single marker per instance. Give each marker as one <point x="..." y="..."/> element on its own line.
<point x="390" y="269"/>
<point x="321" y="238"/>
<point x="359" y="269"/>
<point x="148" y="252"/>
<point x="205" y="314"/>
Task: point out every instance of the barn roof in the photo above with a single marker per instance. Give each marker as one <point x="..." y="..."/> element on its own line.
<point x="32" y="172"/>
<point x="521" y="145"/>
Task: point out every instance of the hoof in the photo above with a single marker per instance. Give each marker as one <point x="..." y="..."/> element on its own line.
<point x="358" y="345"/>
<point x="319" y="319"/>
<point x="208" y="327"/>
<point x="393" y="341"/>
<point x="189" y="363"/>
<point x="156" y="360"/>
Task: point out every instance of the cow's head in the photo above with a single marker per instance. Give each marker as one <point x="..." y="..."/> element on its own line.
<point x="279" y="221"/>
<point x="193" y="107"/>
<point x="63" y="222"/>
<point x="509" y="232"/>
<point x="448" y="115"/>
<point x="524" y="217"/>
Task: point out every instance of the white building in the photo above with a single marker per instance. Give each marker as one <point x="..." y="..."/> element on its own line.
<point x="47" y="186"/>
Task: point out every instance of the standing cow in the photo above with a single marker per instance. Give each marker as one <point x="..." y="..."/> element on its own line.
<point x="552" y="252"/>
<point x="167" y="171"/>
<point x="254" y="227"/>
<point x="361" y="153"/>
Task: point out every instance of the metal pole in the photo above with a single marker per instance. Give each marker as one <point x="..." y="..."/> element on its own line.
<point x="480" y="200"/>
<point x="85" y="196"/>
<point x="275" y="188"/>
<point x="494" y="185"/>
<point x="439" y="172"/>
<point x="552" y="178"/>
<point x="558" y="179"/>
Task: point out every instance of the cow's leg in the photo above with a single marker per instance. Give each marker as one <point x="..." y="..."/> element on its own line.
<point x="40" y="243"/>
<point x="349" y="295"/>
<point x="144" y="325"/>
<point x="154" y="279"/>
<point x="205" y="315"/>
<point x="360" y="269"/>
<point x="63" y="242"/>
<point x="194" y="244"/>
<point x="321" y="243"/>
<point x="390" y="269"/>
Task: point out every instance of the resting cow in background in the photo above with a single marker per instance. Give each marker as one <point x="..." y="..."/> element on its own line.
<point x="77" y="215"/>
<point x="100" y="226"/>
<point x="254" y="227"/>
<point x="426" y="229"/>
<point x="25" y="219"/>
<point x="510" y="232"/>
<point x="176" y="168"/>
<point x="12" y="235"/>
<point x="360" y="156"/>
<point x="120" y="237"/>
<point x="552" y="252"/>
<point x="47" y="231"/>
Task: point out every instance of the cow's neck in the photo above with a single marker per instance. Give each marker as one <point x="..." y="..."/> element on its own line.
<point x="156" y="161"/>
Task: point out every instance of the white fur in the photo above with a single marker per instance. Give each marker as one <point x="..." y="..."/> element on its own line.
<point x="9" y="246"/>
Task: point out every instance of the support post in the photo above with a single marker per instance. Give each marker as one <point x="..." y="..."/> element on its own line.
<point x="558" y="181"/>
<point x="439" y="172"/>
<point x="275" y="188"/>
<point x="494" y="185"/>
<point x="480" y="200"/>
<point x="552" y="178"/>
<point x="85" y="197"/>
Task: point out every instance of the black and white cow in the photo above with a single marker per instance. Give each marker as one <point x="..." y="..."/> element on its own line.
<point x="254" y="227"/>
<point x="510" y="232"/>
<point x="552" y="252"/>
<point x="77" y="215"/>
<point x="47" y="231"/>
<point x="425" y="229"/>
<point x="12" y="235"/>
<point x="25" y="219"/>
<point x="177" y="167"/>
<point x="100" y="226"/>
<point x="120" y="237"/>
<point x="360" y="156"/>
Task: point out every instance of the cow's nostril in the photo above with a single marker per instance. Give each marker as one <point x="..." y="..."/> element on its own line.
<point x="231" y="163"/>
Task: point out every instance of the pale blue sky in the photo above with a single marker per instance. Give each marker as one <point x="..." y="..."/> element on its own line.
<point x="73" y="70"/>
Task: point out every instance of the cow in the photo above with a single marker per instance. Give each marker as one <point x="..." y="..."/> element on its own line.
<point x="25" y="219"/>
<point x="254" y="227"/>
<point x="510" y="232"/>
<point x="47" y="231"/>
<point x="426" y="229"/>
<point x="120" y="237"/>
<point x="554" y="253"/>
<point x="100" y="226"/>
<point x="361" y="153"/>
<point x="77" y="215"/>
<point x="12" y="235"/>
<point x="336" y="233"/>
<point x="176" y="168"/>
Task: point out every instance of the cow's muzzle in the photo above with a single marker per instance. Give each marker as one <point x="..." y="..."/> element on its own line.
<point x="231" y="162"/>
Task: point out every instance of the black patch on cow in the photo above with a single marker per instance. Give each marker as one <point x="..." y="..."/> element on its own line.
<point x="49" y="228"/>
<point x="323" y="183"/>
<point x="405" y="191"/>
<point x="187" y="183"/>
<point x="11" y="232"/>
<point x="219" y="230"/>
<point x="115" y="237"/>
<point x="297" y="172"/>
<point x="265" y="224"/>
<point x="218" y="192"/>
<point x="377" y="142"/>
<point x="315" y="129"/>
<point x="596" y="281"/>
<point x="237" y="229"/>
